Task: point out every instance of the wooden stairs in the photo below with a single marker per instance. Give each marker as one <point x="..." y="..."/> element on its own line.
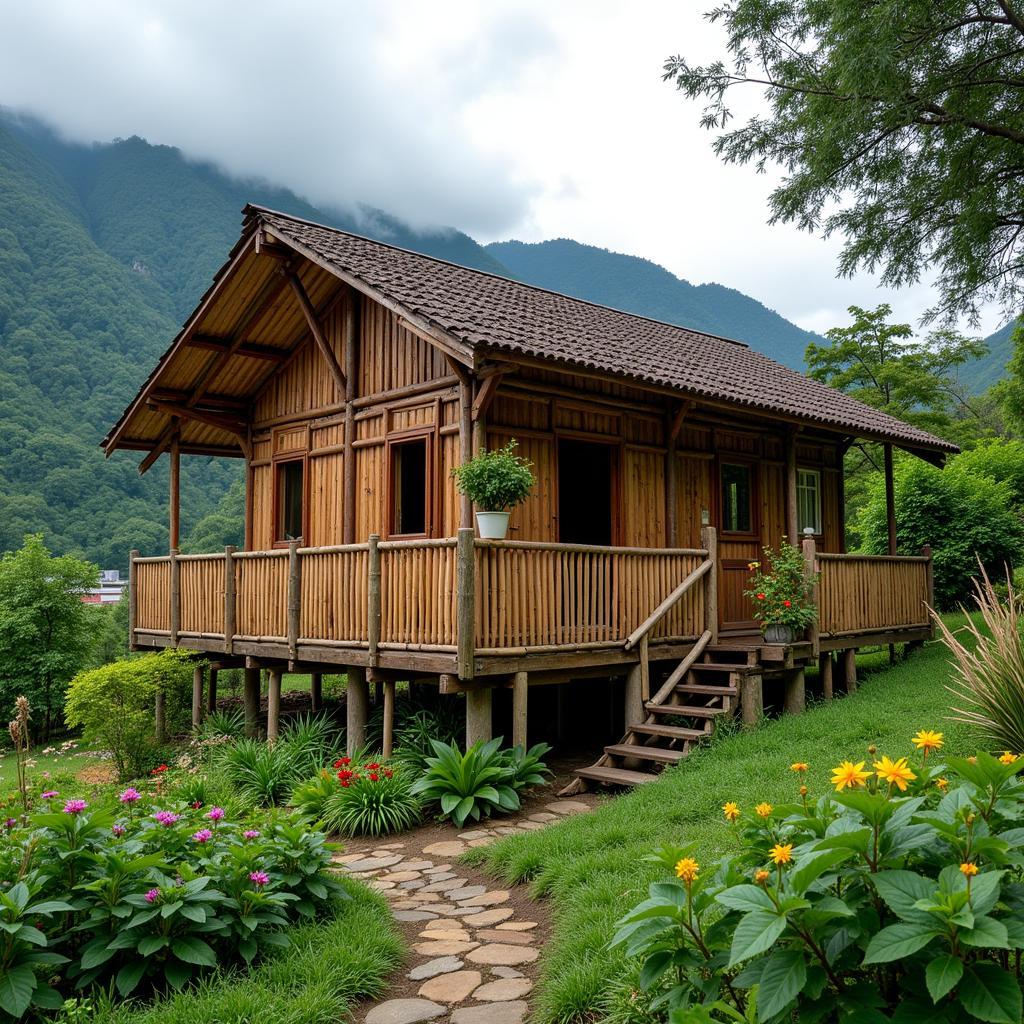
<point x="702" y="689"/>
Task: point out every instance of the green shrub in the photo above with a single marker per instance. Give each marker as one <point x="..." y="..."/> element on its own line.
<point x="223" y="723"/>
<point x="371" y="799"/>
<point x="526" y="767"/>
<point x="964" y="516"/>
<point x="414" y="731"/>
<point x="781" y="592"/>
<point x="312" y="742"/>
<point x="309" y="798"/>
<point x="895" y="897"/>
<point x="263" y="774"/>
<point x="114" y="705"/>
<point x="495" y="481"/>
<point x="468" y="785"/>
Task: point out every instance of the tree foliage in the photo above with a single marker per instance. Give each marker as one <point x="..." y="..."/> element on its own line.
<point x="898" y="124"/>
<point x="46" y="632"/>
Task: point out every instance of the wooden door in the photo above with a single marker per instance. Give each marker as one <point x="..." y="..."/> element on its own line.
<point x="739" y="539"/>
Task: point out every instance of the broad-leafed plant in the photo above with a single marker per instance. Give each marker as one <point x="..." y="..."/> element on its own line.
<point x="496" y="481"/>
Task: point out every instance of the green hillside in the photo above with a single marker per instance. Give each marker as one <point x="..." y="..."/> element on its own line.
<point x="984" y="372"/>
<point x="640" y="286"/>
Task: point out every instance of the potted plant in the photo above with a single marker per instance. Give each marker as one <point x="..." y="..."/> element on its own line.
<point x="782" y="593"/>
<point x="495" y="482"/>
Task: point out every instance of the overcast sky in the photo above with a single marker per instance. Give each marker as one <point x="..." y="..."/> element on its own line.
<point x="527" y="119"/>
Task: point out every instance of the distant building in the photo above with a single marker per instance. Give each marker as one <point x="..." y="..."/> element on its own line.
<point x="110" y="589"/>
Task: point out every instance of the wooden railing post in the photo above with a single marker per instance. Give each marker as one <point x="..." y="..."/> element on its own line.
<point x="465" y="616"/>
<point x="175" y="597"/>
<point x="294" y="598"/>
<point x="810" y="572"/>
<point x="133" y="597"/>
<point x="709" y="541"/>
<point x="929" y="576"/>
<point x="373" y="598"/>
<point x="229" y="599"/>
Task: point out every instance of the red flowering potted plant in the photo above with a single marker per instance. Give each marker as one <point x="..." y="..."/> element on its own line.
<point x="781" y="592"/>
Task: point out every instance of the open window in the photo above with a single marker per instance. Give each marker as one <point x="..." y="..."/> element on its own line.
<point x="737" y="498"/>
<point x="808" y="500"/>
<point x="291" y="500"/>
<point x="410" y="483"/>
<point x="586" y="492"/>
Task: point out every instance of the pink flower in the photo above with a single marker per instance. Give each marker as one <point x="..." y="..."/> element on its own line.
<point x="259" y="878"/>
<point x="166" y="818"/>
<point x="250" y="833"/>
<point x="75" y="806"/>
<point x="10" y="822"/>
<point x="118" y="830"/>
<point x="152" y="896"/>
<point x="215" y="813"/>
<point x="49" y="794"/>
<point x="202" y="835"/>
<point x="129" y="796"/>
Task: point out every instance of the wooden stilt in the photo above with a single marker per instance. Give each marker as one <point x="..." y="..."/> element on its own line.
<point x="387" y="744"/>
<point x="211" y="691"/>
<point x="251" y="701"/>
<point x="890" y="499"/>
<point x="751" y="700"/>
<point x="197" y="695"/>
<point x="316" y="691"/>
<point x="174" y="502"/>
<point x="796" y="696"/>
<point x="634" y="706"/>
<point x="850" y="669"/>
<point x="478" y="715"/>
<point x="274" y="705"/>
<point x="357" y="709"/>
<point x="520" y="690"/>
<point x="825" y="671"/>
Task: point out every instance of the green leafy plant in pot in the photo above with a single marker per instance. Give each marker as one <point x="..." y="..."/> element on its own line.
<point x="495" y="482"/>
<point x="782" y="594"/>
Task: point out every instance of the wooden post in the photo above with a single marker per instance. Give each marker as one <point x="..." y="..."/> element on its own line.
<point x="465" y="445"/>
<point x="229" y="599"/>
<point x="890" y="499"/>
<point x="294" y="597"/>
<point x="133" y="597"/>
<point x="373" y="598"/>
<point x="349" y="464"/>
<point x="357" y="709"/>
<point x="929" y="571"/>
<point x="478" y="715"/>
<point x="645" y="670"/>
<point x="841" y="495"/>
<point x="388" y="741"/>
<point x="792" y="529"/>
<point x="175" y="597"/>
<point x="520" y="700"/>
<point x="211" y="691"/>
<point x="160" y="717"/>
<point x="633" y="711"/>
<point x="251" y="701"/>
<point x="850" y="669"/>
<point x="197" y="695"/>
<point x="274" y="705"/>
<point x="825" y="671"/>
<point x="811" y="572"/>
<point x="796" y="696"/>
<point x="751" y="700"/>
<point x="174" y="498"/>
<point x="316" y="691"/>
<point x="709" y="541"/>
<point x="466" y="605"/>
<point x="671" y="489"/>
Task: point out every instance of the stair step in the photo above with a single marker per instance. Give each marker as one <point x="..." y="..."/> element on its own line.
<point x="615" y="776"/>
<point x="723" y="668"/>
<point x="670" y="732"/>
<point x="642" y="753"/>
<point x="685" y="709"/>
<point x="707" y="689"/>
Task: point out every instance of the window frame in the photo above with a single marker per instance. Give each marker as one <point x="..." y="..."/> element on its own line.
<point x="750" y="466"/>
<point x="279" y="463"/>
<point x="819" y="523"/>
<point x="405" y="438"/>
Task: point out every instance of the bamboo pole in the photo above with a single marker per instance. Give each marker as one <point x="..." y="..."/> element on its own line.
<point x="174" y="498"/>
<point x="294" y="597"/>
<point x="387" y="742"/>
<point x="890" y="499"/>
<point x="133" y="597"/>
<point x="810" y="571"/>
<point x="230" y="603"/>
<point x="465" y="445"/>
<point x="373" y="605"/>
<point x="709" y="539"/>
<point x="175" y="597"/>
<point x="465" y="603"/>
<point x="929" y="575"/>
<point x="349" y="463"/>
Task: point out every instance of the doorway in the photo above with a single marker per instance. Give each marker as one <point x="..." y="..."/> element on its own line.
<point x="586" y="492"/>
<point x="739" y="541"/>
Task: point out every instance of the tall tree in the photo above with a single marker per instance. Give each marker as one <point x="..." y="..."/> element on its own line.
<point x="46" y="632"/>
<point x="897" y="123"/>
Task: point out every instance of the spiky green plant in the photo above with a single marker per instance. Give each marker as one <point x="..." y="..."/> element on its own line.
<point x="527" y="767"/>
<point x="222" y="722"/>
<point x="263" y="774"/>
<point x="376" y="801"/>
<point x="309" y="798"/>
<point x="313" y="741"/>
<point x="989" y="667"/>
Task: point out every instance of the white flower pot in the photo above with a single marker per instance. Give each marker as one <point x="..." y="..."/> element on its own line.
<point x="492" y="525"/>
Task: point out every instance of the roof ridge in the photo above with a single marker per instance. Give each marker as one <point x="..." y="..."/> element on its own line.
<point x="501" y="277"/>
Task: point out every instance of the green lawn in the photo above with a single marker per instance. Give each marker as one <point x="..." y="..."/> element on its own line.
<point x="591" y="867"/>
<point x="71" y="762"/>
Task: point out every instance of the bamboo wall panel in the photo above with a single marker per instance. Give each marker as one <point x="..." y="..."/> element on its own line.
<point x="371" y="488"/>
<point x="693" y="493"/>
<point x="643" y="498"/>
<point x="541" y="595"/>
<point x="418" y="588"/>
<point x="334" y="595"/>
<point x="262" y="507"/>
<point x="392" y="357"/>
<point x="858" y="593"/>
<point x="201" y="580"/>
<point x="153" y="595"/>
<point x="325" y="519"/>
<point x="261" y="594"/>
<point x="449" y="497"/>
<point x="537" y="517"/>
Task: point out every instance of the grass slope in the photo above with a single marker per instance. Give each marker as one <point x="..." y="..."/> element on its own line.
<point x="328" y="968"/>
<point x="592" y="866"/>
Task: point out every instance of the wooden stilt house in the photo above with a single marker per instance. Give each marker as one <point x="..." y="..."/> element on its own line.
<point x="352" y="376"/>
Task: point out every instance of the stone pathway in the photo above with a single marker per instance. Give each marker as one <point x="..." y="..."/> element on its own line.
<point x="474" y="960"/>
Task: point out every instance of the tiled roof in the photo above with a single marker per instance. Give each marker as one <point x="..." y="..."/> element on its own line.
<point x="491" y="313"/>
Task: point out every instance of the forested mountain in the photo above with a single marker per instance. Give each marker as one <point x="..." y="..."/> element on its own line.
<point x="640" y="286"/>
<point x="984" y="372"/>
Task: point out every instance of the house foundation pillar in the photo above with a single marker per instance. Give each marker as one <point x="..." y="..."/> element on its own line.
<point x="825" y="671"/>
<point x="634" y="706"/>
<point x="751" y="700"/>
<point x="478" y="715"/>
<point x="211" y="691"/>
<point x="197" y="696"/>
<point x="850" y="669"/>
<point x="796" y="694"/>
<point x="316" y="691"/>
<point x="251" y="701"/>
<point x="357" y="709"/>
<point x="520" y="691"/>
<point x="274" y="705"/>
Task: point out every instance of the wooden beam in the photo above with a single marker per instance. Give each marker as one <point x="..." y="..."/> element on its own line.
<point x="677" y="421"/>
<point x="485" y="395"/>
<point x="212" y="401"/>
<point x="174" y="497"/>
<point x="351" y="342"/>
<point x="318" y="335"/>
<point x="890" y="499"/>
<point x="212" y="419"/>
<point x="158" y="449"/>
<point x="792" y="529"/>
<point x="213" y="343"/>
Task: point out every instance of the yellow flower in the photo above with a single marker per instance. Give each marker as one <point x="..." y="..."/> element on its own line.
<point x="730" y="810"/>
<point x="781" y="854"/>
<point x="927" y="741"/>
<point x="763" y="810"/>
<point x="687" y="870"/>
<point x="972" y="760"/>
<point x="896" y="773"/>
<point x="761" y="876"/>
<point x="968" y="869"/>
<point x="798" y="766"/>
<point x="943" y="784"/>
<point x="804" y="791"/>
<point x="753" y="565"/>
<point x="1007" y="758"/>
<point x="849" y="774"/>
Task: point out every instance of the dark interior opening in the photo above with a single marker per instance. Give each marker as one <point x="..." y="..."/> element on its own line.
<point x="585" y="492"/>
<point x="409" y="486"/>
<point x="291" y="492"/>
<point x="737" y="498"/>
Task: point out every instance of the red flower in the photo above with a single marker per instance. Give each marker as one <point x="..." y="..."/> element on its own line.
<point x="786" y="604"/>
<point x="372" y="766"/>
<point x="196" y="804"/>
<point x="388" y="773"/>
<point x="344" y="782"/>
<point x="344" y="775"/>
<point x="159" y="771"/>
<point x="374" y="776"/>
<point x="760" y="597"/>
<point x="342" y="762"/>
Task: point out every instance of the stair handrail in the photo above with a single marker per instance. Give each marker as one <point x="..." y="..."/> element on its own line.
<point x="667" y="605"/>
<point x="679" y="672"/>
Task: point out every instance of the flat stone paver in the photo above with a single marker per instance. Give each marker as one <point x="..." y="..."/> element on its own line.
<point x="451" y="988"/>
<point x="487" y="899"/>
<point x="493" y="916"/>
<point x="512" y="938"/>
<point x="466" y="892"/>
<point x="503" y="990"/>
<point x="503" y="955"/>
<point x="373" y="863"/>
<point x="452" y="848"/>
<point x="442" y="965"/>
<point x="446" y="947"/>
<point x="491" y="1013"/>
<point x="404" y="1011"/>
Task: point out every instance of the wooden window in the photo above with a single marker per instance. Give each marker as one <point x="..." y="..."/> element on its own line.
<point x="737" y="497"/>
<point x="410" y="487"/>
<point x="291" y="500"/>
<point x="808" y="500"/>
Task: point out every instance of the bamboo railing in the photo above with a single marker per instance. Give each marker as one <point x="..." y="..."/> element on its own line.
<point x="418" y="594"/>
